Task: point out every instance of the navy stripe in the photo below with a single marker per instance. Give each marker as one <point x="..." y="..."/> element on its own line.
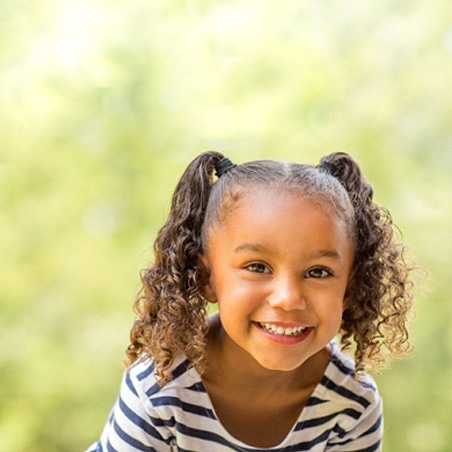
<point x="217" y="439"/>
<point x="371" y="430"/>
<point x="110" y="417"/>
<point x="139" y="422"/>
<point x="188" y="407"/>
<point x="179" y="412"/>
<point x="212" y="437"/>
<point x="375" y="427"/>
<point x="169" y="423"/>
<point x="153" y="390"/>
<point x="202" y="434"/>
<point x="315" y="401"/>
<point x="330" y="384"/>
<point x="177" y="372"/>
<point x="130" y="384"/>
<point x="131" y="441"/>
<point x="348" y="371"/>
<point x="181" y="369"/>
<point x="158" y="422"/>
<point x="339" y="430"/>
<point x="148" y="371"/>
<point x="372" y="448"/>
<point x="341" y="366"/>
<point x="197" y="387"/>
<point x="308" y="445"/>
<point x="324" y="419"/>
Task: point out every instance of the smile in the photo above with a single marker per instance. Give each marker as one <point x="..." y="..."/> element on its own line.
<point x="281" y="331"/>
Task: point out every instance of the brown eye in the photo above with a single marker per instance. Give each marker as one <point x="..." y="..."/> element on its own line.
<point x="318" y="273"/>
<point x="256" y="267"/>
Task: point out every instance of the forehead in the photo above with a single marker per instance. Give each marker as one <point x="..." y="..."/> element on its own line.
<point x="278" y="217"/>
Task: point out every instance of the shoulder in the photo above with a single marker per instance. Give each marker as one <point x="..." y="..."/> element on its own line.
<point x="186" y="383"/>
<point x="354" y="403"/>
<point x="182" y="403"/>
<point x="142" y="374"/>
<point x="342" y="386"/>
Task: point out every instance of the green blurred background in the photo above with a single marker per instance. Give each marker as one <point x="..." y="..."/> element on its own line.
<point x="103" y="103"/>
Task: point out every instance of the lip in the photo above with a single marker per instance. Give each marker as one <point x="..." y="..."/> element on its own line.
<point x="281" y="339"/>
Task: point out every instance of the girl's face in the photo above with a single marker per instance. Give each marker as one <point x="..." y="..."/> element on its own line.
<point x="279" y="266"/>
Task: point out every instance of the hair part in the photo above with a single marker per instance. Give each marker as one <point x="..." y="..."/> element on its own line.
<point x="301" y="180"/>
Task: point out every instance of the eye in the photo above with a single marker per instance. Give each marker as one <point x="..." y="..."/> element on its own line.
<point x="257" y="267"/>
<point x="318" y="273"/>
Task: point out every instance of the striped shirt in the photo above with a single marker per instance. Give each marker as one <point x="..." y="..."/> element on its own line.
<point x="342" y="414"/>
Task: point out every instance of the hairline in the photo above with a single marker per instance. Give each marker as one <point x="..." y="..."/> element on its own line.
<point x="238" y="189"/>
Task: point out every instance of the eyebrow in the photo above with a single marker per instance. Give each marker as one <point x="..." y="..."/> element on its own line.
<point x="249" y="247"/>
<point x="328" y="253"/>
<point x="256" y="247"/>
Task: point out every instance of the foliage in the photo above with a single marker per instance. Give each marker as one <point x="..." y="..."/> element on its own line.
<point x="104" y="103"/>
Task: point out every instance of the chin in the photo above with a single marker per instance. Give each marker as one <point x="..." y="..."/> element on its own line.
<point x="280" y="367"/>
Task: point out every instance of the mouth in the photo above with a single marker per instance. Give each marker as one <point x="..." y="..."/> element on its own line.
<point x="278" y="330"/>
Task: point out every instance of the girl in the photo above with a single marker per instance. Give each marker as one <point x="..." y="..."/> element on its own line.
<point x="292" y="254"/>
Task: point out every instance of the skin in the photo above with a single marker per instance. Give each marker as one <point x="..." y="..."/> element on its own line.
<point x="278" y="260"/>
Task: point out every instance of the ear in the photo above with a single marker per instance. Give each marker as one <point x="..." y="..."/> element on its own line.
<point x="206" y="286"/>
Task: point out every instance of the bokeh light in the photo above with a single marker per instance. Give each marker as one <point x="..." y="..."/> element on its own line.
<point x="103" y="104"/>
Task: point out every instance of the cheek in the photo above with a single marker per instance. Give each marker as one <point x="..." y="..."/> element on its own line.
<point x="330" y="307"/>
<point x="237" y="297"/>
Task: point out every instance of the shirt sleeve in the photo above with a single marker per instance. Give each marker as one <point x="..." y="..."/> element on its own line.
<point x="132" y="424"/>
<point x="364" y="435"/>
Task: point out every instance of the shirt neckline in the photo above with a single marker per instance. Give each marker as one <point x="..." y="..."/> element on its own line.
<point x="318" y="392"/>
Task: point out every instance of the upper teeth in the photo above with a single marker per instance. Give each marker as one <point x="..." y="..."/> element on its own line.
<point x="283" y="331"/>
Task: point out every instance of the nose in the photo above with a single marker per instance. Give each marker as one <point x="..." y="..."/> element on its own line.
<point x="287" y="294"/>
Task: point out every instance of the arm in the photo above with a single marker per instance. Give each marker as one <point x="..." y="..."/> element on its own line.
<point x="132" y="424"/>
<point x="365" y="435"/>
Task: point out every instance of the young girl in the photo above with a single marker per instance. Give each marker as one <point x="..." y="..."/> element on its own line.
<point x="292" y="254"/>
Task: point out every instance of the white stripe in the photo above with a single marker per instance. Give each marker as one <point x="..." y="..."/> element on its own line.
<point x="206" y="423"/>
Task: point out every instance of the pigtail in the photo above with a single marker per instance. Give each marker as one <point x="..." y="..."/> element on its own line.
<point x="171" y="312"/>
<point x="381" y="287"/>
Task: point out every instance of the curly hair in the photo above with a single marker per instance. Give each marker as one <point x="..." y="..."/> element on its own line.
<point x="172" y="313"/>
<point x="381" y="299"/>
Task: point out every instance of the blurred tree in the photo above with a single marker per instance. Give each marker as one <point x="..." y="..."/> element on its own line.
<point x="104" y="103"/>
